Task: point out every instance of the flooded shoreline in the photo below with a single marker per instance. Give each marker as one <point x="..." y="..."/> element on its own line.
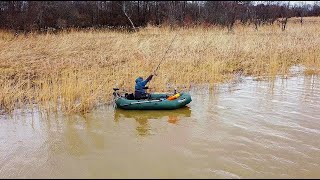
<point x="248" y="129"/>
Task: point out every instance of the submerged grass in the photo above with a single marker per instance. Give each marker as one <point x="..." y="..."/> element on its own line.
<point x="75" y="71"/>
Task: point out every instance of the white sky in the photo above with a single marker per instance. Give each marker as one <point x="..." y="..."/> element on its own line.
<point x="293" y="2"/>
<point x="299" y="2"/>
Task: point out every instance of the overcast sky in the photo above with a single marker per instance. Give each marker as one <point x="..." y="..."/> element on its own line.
<point x="293" y="2"/>
<point x="298" y="2"/>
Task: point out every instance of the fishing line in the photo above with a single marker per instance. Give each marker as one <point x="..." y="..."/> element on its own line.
<point x="165" y="53"/>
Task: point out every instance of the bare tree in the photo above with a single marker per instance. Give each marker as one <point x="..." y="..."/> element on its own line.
<point x="284" y="24"/>
<point x="302" y="11"/>
<point x="39" y="15"/>
<point x="124" y="9"/>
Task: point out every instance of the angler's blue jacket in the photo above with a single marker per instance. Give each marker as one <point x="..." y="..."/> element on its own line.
<point x="140" y="84"/>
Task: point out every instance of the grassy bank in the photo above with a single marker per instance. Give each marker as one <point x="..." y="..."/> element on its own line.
<point x="74" y="71"/>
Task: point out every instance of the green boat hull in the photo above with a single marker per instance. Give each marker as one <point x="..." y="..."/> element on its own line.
<point x="156" y="102"/>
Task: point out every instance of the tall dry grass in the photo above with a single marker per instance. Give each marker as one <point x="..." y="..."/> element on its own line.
<point x="74" y="71"/>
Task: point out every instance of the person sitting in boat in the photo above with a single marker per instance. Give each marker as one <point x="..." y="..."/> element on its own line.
<point x="140" y="92"/>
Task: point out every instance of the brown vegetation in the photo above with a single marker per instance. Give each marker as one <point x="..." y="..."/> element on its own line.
<point x="74" y="71"/>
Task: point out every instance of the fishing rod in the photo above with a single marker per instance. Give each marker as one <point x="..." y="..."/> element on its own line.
<point x="165" y="53"/>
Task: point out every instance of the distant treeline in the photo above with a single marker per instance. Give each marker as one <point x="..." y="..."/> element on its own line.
<point x="44" y="15"/>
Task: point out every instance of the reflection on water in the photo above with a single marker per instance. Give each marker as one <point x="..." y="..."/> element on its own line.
<point x="143" y="117"/>
<point x="251" y="129"/>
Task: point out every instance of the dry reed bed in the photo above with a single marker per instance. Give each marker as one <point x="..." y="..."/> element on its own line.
<point x="74" y="71"/>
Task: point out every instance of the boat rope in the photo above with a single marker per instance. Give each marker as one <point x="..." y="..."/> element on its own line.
<point x="141" y="102"/>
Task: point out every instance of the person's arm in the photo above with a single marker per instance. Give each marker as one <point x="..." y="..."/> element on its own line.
<point x="147" y="80"/>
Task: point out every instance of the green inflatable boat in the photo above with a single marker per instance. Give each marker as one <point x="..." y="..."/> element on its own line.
<point x="154" y="102"/>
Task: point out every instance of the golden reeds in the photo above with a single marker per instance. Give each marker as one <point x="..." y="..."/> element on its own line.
<point x="76" y="71"/>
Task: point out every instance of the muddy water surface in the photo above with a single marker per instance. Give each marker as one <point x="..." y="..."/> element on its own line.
<point x="251" y="129"/>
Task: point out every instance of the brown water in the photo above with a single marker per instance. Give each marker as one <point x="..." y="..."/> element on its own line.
<point x="252" y="129"/>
